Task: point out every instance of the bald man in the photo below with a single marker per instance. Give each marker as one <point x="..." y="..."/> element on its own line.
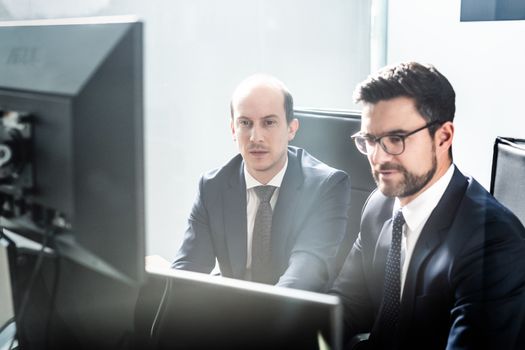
<point x="306" y="208"/>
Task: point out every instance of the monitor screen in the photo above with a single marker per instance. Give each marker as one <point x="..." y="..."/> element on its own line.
<point x="71" y="139"/>
<point x="188" y="310"/>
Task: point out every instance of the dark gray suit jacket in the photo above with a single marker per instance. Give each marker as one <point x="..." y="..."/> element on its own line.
<point x="309" y="223"/>
<point x="465" y="284"/>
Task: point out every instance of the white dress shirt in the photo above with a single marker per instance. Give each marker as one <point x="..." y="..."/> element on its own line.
<point x="252" y="203"/>
<point x="416" y="214"/>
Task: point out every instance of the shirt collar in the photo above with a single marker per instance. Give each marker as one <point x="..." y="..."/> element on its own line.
<point x="276" y="181"/>
<point x="417" y="212"/>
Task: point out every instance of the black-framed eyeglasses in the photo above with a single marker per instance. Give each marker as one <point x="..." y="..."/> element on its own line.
<point x="393" y="144"/>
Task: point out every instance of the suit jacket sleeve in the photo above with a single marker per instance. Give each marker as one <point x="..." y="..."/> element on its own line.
<point x="352" y="289"/>
<point x="196" y="253"/>
<point x="312" y="261"/>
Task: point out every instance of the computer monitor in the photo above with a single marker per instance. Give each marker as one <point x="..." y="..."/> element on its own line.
<point x="189" y="310"/>
<point x="71" y="138"/>
<point x="72" y="177"/>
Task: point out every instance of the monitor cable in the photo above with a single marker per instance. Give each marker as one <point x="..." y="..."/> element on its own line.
<point x="158" y="313"/>
<point x="48" y="233"/>
<point x="53" y="295"/>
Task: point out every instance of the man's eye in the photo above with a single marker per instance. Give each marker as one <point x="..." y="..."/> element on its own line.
<point x="395" y="139"/>
<point x="270" y="122"/>
<point x="244" y="123"/>
<point x="370" y="141"/>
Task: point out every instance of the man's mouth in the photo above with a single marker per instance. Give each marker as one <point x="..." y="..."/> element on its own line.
<point x="257" y="150"/>
<point x="388" y="170"/>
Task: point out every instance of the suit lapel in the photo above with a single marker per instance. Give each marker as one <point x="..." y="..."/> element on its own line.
<point x="286" y="205"/>
<point x="234" y="209"/>
<point x="381" y="250"/>
<point x="433" y="233"/>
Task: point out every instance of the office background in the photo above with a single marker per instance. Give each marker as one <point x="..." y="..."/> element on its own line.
<point x="197" y="51"/>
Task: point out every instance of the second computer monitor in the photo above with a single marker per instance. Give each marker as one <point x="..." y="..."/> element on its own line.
<point x="197" y="311"/>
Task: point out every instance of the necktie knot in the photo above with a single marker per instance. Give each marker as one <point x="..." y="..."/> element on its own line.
<point x="399" y="221"/>
<point x="264" y="193"/>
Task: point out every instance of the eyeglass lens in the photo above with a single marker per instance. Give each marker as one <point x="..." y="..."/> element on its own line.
<point x="392" y="144"/>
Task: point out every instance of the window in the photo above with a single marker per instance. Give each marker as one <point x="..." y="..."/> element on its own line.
<point x="196" y="51"/>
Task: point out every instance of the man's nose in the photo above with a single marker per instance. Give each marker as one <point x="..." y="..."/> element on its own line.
<point x="256" y="134"/>
<point x="378" y="155"/>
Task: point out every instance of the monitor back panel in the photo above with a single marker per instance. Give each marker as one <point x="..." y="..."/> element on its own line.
<point x="207" y="312"/>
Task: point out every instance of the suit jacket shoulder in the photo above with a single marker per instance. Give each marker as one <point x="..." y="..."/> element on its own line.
<point x="482" y="205"/>
<point x="309" y="163"/>
<point x="213" y="182"/>
<point x="303" y="168"/>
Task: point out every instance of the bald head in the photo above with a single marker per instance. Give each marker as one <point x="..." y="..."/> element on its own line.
<point x="265" y="86"/>
<point x="262" y="124"/>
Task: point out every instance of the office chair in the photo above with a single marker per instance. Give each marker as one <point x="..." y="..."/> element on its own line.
<point x="326" y="136"/>
<point x="507" y="183"/>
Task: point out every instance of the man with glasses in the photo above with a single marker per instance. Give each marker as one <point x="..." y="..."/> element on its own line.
<point x="439" y="263"/>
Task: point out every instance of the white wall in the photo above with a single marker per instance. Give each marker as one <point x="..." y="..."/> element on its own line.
<point x="484" y="61"/>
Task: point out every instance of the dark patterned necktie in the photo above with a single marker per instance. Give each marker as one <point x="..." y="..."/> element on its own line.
<point x="392" y="290"/>
<point x="261" y="240"/>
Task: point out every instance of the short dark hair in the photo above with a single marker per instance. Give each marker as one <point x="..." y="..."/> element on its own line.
<point x="288" y="99"/>
<point x="288" y="105"/>
<point x="433" y="94"/>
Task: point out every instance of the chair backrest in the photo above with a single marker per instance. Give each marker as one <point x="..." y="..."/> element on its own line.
<point x="508" y="174"/>
<point x="326" y="135"/>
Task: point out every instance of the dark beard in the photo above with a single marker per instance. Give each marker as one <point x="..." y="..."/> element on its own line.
<point x="411" y="184"/>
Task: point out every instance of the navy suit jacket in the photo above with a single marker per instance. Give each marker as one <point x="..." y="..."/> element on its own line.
<point x="309" y="222"/>
<point x="465" y="284"/>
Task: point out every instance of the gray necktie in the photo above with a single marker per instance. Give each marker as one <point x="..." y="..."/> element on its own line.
<point x="389" y="316"/>
<point x="261" y="241"/>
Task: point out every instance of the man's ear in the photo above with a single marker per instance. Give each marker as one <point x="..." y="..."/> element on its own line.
<point x="445" y="135"/>
<point x="232" y="127"/>
<point x="293" y="126"/>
